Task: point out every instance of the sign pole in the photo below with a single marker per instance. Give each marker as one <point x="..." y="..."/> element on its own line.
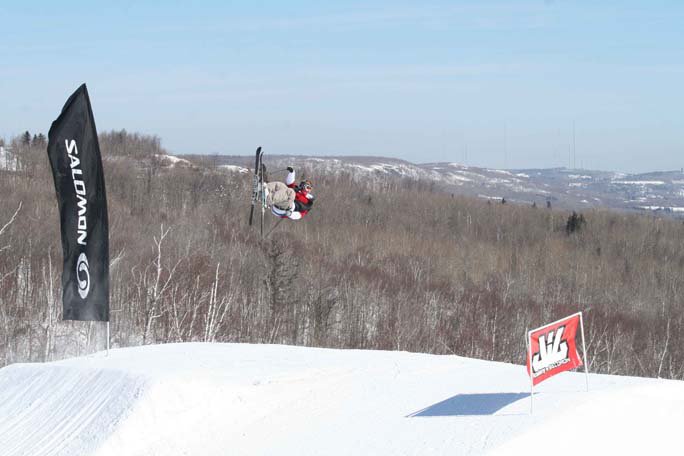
<point x="584" y="352"/>
<point x="529" y="357"/>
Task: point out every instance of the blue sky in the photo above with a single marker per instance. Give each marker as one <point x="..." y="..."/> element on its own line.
<point x="495" y="84"/>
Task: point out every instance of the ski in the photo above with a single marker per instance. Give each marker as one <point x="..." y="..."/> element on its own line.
<point x="262" y="195"/>
<point x="255" y="185"/>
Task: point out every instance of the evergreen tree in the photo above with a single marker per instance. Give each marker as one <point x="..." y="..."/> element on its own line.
<point x="38" y="141"/>
<point x="575" y="223"/>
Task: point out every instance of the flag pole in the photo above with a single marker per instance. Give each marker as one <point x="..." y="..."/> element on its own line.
<point x="529" y="360"/>
<point x="584" y="352"/>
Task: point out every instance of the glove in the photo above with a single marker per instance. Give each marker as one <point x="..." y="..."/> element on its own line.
<point x="290" y="169"/>
<point x="310" y="196"/>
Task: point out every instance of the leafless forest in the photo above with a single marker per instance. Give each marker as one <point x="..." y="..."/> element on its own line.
<point x="382" y="264"/>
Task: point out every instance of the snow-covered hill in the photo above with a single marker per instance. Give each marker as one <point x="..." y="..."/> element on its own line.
<point x="218" y="399"/>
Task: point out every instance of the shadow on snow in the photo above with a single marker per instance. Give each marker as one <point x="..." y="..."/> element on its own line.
<point x="471" y="404"/>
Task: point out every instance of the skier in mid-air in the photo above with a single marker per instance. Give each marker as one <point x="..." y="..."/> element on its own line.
<point x="289" y="200"/>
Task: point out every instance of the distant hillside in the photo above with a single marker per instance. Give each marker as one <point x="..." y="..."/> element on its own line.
<point x="661" y="192"/>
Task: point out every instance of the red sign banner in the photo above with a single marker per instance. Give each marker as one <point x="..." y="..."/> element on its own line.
<point x="553" y="349"/>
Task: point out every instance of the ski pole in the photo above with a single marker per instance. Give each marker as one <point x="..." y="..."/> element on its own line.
<point x="273" y="228"/>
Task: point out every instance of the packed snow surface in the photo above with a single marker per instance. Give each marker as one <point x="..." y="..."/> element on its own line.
<point x="220" y="399"/>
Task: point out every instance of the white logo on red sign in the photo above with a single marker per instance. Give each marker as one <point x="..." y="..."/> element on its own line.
<point x="553" y="352"/>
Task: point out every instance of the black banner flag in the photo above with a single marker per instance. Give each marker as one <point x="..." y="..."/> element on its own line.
<point x="74" y="154"/>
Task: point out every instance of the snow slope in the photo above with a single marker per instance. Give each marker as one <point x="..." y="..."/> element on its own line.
<point x="218" y="399"/>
